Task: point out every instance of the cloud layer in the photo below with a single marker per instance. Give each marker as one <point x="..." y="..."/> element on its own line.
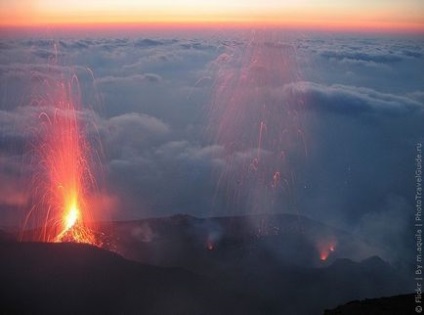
<point x="218" y="125"/>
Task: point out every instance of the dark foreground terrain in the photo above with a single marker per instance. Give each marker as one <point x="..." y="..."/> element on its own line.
<point x="187" y="265"/>
<point x="37" y="278"/>
<point x="395" y="305"/>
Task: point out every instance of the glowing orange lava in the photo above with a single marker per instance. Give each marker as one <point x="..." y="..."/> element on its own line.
<point x="69" y="170"/>
<point x="324" y="256"/>
<point x="72" y="217"/>
<point x="63" y="178"/>
<point x="326" y="250"/>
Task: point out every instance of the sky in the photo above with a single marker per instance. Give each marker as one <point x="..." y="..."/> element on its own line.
<point x="350" y="14"/>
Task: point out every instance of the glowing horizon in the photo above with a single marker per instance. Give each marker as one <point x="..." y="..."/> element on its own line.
<point x="322" y="14"/>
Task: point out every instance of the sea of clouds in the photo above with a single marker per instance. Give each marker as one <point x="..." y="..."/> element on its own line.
<point x="149" y="101"/>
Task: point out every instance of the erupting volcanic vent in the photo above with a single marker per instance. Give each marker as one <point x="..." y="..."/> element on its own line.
<point x="63" y="179"/>
<point x="326" y="249"/>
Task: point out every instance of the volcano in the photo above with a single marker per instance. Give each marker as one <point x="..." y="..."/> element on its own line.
<point x="186" y="265"/>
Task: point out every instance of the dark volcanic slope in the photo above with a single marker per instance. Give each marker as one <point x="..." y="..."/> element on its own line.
<point x="274" y="258"/>
<point x="264" y="264"/>
<point x="396" y="305"/>
<point x="65" y="278"/>
<point x="198" y="243"/>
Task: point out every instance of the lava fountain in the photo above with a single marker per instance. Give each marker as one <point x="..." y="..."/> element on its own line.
<point x="63" y="179"/>
<point x="258" y="122"/>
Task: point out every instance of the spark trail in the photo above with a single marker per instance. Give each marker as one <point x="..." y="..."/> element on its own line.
<point x="63" y="178"/>
<point x="258" y="121"/>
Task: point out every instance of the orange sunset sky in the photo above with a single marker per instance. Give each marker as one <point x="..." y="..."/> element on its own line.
<point x="407" y="15"/>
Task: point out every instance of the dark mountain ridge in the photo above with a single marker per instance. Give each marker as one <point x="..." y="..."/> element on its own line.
<point x="275" y="264"/>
